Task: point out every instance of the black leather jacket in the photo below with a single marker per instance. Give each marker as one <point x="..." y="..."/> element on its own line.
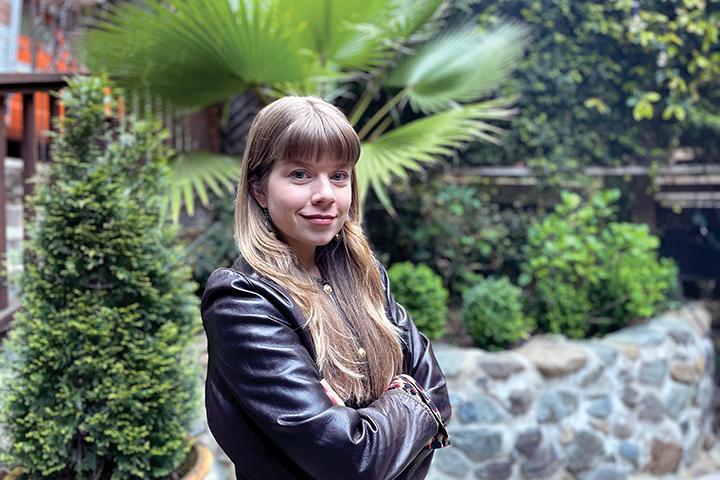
<point x="268" y="411"/>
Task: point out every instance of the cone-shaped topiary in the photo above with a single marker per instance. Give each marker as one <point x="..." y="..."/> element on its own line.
<point x="99" y="380"/>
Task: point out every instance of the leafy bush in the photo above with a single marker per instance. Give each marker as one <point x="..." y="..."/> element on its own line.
<point x="421" y="292"/>
<point x="493" y="314"/>
<point x="602" y="82"/>
<point x="589" y="274"/>
<point x="100" y="384"/>
<point x="455" y="229"/>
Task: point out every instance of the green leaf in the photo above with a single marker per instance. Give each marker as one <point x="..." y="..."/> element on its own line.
<point x="425" y="141"/>
<point x="462" y="65"/>
<point x="194" y="173"/>
<point x="195" y="53"/>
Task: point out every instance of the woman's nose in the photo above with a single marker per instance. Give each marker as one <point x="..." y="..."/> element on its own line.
<point x="324" y="192"/>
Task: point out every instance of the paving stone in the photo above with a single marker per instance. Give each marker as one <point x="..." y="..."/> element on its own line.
<point x="630" y="396"/>
<point x="554" y="358"/>
<point x="630" y="452"/>
<point x="480" y="410"/>
<point x="608" y="355"/>
<point x="541" y="464"/>
<point x="520" y="401"/>
<point x="665" y="457"/>
<point x="651" y="409"/>
<point x="653" y="373"/>
<point x="600" y="407"/>
<point x="478" y="444"/>
<point x="501" y="369"/>
<point x="584" y="452"/>
<point x="683" y="373"/>
<point x="681" y="336"/>
<point x="678" y="398"/>
<point x="606" y="472"/>
<point x="497" y="470"/>
<point x="641" y="336"/>
<point x="452" y="462"/>
<point x="528" y="441"/>
<point x="556" y="405"/>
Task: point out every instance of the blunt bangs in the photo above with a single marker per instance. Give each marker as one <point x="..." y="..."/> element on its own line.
<point x="321" y="134"/>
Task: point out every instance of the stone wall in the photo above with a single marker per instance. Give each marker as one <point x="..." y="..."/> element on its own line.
<point x="636" y="403"/>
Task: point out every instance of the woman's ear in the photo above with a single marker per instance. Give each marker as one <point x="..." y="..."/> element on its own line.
<point x="258" y="193"/>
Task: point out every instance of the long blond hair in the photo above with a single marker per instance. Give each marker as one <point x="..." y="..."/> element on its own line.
<point x="310" y="129"/>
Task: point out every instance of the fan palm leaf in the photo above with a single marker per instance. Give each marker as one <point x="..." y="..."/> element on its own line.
<point x="425" y="141"/>
<point x="194" y="174"/>
<point x="192" y="53"/>
<point x="462" y="65"/>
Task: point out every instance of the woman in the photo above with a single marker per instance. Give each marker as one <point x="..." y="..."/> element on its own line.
<point x="314" y="370"/>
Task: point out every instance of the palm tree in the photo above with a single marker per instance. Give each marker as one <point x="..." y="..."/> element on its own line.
<point x="414" y="83"/>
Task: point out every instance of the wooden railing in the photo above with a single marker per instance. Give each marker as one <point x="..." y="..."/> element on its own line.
<point x="26" y="84"/>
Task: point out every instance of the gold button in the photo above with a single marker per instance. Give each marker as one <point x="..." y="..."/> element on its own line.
<point x="361" y="352"/>
<point x="327" y="288"/>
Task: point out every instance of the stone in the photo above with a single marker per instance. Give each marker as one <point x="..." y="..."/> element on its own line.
<point x="600" y="425"/>
<point x="554" y="358"/>
<point x="680" y="336"/>
<point x="606" y="472"/>
<point x="478" y="444"/>
<point x="450" y="360"/>
<point x="651" y="409"/>
<point x="452" y="462"/>
<point x="600" y="407"/>
<point x="498" y="470"/>
<point x="630" y="452"/>
<point x="630" y="396"/>
<point x="528" y="441"/>
<point x="622" y="428"/>
<point x="541" y="464"/>
<point x="630" y="351"/>
<point x="592" y="376"/>
<point x="665" y="457"/>
<point x="678" y="397"/>
<point x="700" y="365"/>
<point x="520" y="401"/>
<point x="556" y="405"/>
<point x="683" y="373"/>
<point x="640" y="336"/>
<point x="567" y="434"/>
<point x="481" y="410"/>
<point x="501" y="369"/>
<point x="653" y="373"/>
<point x="584" y="452"/>
<point x="608" y="355"/>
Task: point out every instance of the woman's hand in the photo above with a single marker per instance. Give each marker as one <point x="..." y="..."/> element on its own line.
<point x="334" y="397"/>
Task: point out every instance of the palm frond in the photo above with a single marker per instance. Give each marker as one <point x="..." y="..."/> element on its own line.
<point x="423" y="142"/>
<point x="193" y="53"/>
<point x="462" y="65"/>
<point x="344" y="34"/>
<point x="193" y="174"/>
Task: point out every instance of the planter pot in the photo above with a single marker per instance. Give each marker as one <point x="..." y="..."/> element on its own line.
<point x="200" y="470"/>
<point x="203" y="464"/>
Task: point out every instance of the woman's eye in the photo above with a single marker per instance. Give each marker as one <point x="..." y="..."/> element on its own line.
<point x="298" y="175"/>
<point x="340" y="176"/>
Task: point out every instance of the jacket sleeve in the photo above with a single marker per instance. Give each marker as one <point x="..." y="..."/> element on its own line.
<point x="274" y="380"/>
<point x="419" y="360"/>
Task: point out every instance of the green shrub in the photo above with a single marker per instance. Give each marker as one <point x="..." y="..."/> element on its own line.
<point x="100" y="382"/>
<point x="455" y="229"/>
<point x="589" y="274"/>
<point x="493" y="314"/>
<point x="421" y="292"/>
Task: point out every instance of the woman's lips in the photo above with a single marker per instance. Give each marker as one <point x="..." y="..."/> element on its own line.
<point x="319" y="220"/>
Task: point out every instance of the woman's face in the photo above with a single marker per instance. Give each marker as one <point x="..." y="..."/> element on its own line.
<point x="308" y="202"/>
